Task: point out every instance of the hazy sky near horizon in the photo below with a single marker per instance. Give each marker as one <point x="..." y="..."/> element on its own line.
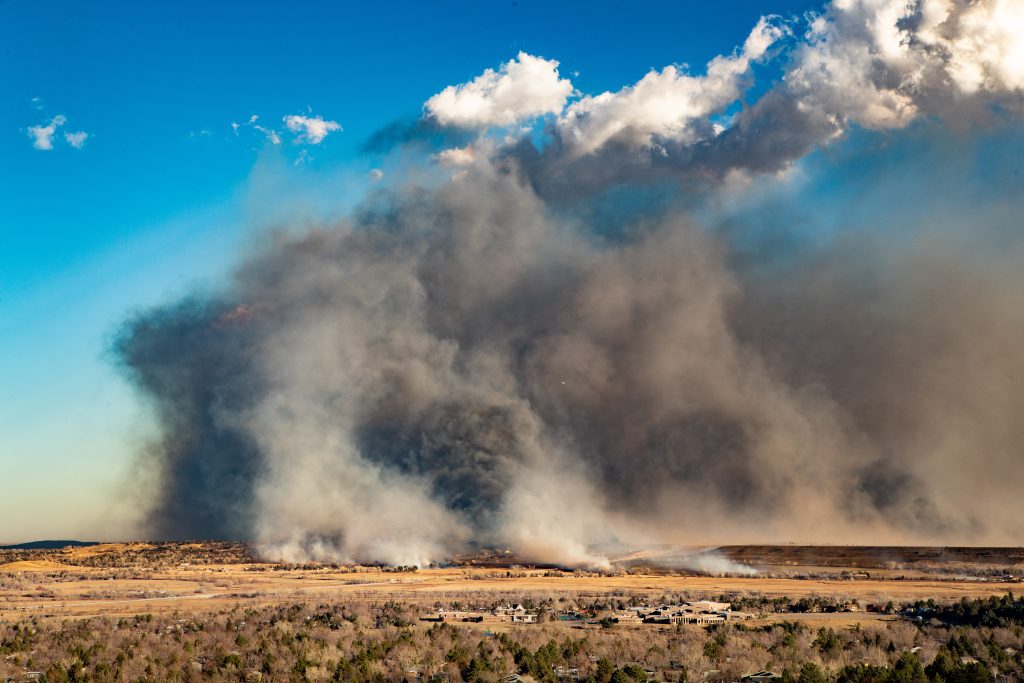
<point x="157" y="196"/>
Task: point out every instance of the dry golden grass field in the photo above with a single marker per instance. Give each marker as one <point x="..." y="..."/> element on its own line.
<point x="124" y="579"/>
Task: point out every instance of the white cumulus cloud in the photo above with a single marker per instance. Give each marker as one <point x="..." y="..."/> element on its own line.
<point x="311" y="129"/>
<point x="836" y="72"/>
<point x="876" y="64"/>
<point x="985" y="43"/>
<point x="42" y="136"/>
<point x="882" y="63"/>
<point x="669" y="104"/>
<point x="76" y="139"/>
<point x="521" y="89"/>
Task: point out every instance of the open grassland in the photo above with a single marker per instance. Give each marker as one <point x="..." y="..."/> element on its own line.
<point x="127" y="579"/>
<point x="214" y="612"/>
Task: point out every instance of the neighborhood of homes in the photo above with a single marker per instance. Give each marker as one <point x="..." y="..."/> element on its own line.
<point x="514" y="613"/>
<point x="702" y="613"/>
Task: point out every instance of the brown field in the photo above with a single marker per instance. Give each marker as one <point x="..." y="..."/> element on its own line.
<point x="124" y="579"/>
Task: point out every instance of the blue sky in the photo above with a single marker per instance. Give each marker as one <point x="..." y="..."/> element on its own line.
<point x="163" y="193"/>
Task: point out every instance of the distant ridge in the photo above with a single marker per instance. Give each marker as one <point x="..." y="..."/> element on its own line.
<point x="48" y="545"/>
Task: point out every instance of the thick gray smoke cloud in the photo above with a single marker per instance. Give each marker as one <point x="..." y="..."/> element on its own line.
<point x="465" y="363"/>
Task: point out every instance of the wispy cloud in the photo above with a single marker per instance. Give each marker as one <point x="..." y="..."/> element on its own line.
<point x="272" y="135"/>
<point x="310" y="129"/>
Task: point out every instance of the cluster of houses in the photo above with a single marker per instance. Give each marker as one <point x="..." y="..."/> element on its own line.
<point x="513" y="613"/>
<point x="702" y="612"/>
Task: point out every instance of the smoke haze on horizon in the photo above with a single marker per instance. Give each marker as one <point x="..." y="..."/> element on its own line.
<point x="613" y="325"/>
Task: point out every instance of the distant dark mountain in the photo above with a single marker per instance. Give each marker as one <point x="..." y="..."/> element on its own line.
<point x="48" y="545"/>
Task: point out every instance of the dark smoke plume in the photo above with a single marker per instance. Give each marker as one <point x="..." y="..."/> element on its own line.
<point x="483" y="359"/>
